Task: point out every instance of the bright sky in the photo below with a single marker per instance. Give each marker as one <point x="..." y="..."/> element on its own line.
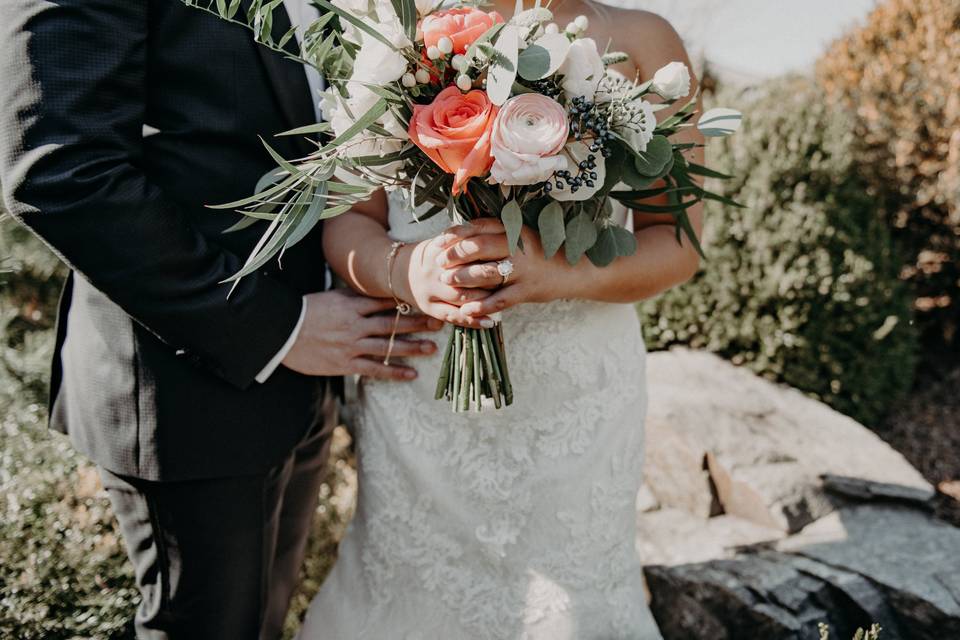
<point x="758" y="38"/>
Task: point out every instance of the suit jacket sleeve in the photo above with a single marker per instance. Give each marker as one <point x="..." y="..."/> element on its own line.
<point x="72" y="92"/>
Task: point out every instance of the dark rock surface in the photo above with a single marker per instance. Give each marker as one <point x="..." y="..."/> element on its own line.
<point x="893" y="565"/>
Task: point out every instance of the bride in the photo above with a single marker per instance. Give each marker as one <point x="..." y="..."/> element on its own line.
<point x="517" y="523"/>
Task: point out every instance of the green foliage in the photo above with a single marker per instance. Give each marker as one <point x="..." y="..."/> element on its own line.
<point x="64" y="573"/>
<point x="800" y="285"/>
<point x="873" y="633"/>
<point x="899" y="72"/>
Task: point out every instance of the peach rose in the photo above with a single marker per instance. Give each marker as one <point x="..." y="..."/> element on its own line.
<point x="454" y="131"/>
<point x="462" y="26"/>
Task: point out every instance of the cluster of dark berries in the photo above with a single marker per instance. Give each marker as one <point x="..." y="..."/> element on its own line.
<point x="585" y="123"/>
<point x="549" y="87"/>
<point x="586" y="176"/>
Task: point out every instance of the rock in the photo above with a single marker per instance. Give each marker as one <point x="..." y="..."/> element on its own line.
<point x="913" y="558"/>
<point x="674" y="536"/>
<point x="676" y="471"/>
<point x="890" y="564"/>
<point x="768" y="595"/>
<point x="865" y="490"/>
<point x="723" y="439"/>
<point x="646" y="501"/>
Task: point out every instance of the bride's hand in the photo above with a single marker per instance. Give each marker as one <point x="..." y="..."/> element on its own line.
<point x="470" y="263"/>
<point x="436" y="296"/>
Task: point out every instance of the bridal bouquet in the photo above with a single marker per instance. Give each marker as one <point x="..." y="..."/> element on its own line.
<point x="473" y="115"/>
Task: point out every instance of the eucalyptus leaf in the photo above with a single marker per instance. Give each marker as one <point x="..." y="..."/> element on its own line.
<point x="357" y="22"/>
<point x="604" y="250"/>
<point x="310" y="217"/>
<point x="533" y="62"/>
<point x="624" y="240"/>
<point x="720" y="122"/>
<point x="512" y="219"/>
<point x="499" y="76"/>
<point x="317" y="127"/>
<point x="581" y="234"/>
<point x="543" y="57"/>
<point x="552" y="230"/>
<point x="700" y="170"/>
<point x="485" y="37"/>
<point x="379" y="108"/>
<point x="653" y="161"/>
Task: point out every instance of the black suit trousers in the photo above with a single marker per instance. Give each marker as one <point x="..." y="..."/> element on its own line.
<point x="220" y="558"/>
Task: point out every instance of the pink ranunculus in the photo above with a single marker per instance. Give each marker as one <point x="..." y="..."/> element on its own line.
<point x="528" y="137"/>
<point x="462" y="26"/>
<point x="454" y="131"/>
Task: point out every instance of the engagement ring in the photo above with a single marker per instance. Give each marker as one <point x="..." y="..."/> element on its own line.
<point x="505" y="268"/>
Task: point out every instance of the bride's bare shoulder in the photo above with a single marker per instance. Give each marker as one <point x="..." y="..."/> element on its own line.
<point x="649" y="39"/>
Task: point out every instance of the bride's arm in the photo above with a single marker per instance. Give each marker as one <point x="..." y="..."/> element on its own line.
<point x="357" y="247"/>
<point x="660" y="261"/>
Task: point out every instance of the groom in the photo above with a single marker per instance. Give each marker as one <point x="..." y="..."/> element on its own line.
<point x="209" y="417"/>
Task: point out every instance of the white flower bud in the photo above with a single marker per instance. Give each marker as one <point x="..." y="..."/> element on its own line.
<point x="422" y="76"/>
<point x="408" y="80"/>
<point x="460" y="63"/>
<point x="581" y="22"/>
<point x="445" y="45"/>
<point x="433" y="52"/>
<point x="551" y="28"/>
<point x="572" y="28"/>
<point x="672" y="81"/>
<point x="464" y="82"/>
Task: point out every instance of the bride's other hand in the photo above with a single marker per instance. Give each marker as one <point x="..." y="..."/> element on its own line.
<point x="471" y="262"/>
<point x="428" y="286"/>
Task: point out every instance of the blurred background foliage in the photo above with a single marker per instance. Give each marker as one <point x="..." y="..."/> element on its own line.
<point x="900" y="73"/>
<point x="841" y="277"/>
<point x="801" y="285"/>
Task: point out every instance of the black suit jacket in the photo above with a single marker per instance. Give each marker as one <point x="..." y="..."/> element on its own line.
<point x="119" y="121"/>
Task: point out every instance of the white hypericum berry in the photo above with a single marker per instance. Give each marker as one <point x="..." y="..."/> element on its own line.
<point x="445" y="45"/>
<point x="581" y="22"/>
<point x="460" y="63"/>
<point x="408" y="80"/>
<point x="551" y="28"/>
<point x="422" y="76"/>
<point x="433" y="52"/>
<point x="572" y="28"/>
<point x="464" y="82"/>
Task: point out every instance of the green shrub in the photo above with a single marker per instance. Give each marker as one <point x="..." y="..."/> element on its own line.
<point x="63" y="570"/>
<point x="800" y="285"/>
<point x="900" y="72"/>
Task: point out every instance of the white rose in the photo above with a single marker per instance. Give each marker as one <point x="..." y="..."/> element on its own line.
<point x="582" y="70"/>
<point x="527" y="138"/>
<point x="578" y="152"/>
<point x="672" y="81"/>
<point x="342" y="113"/>
<point x="378" y="64"/>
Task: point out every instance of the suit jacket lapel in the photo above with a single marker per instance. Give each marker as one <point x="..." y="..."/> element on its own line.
<point x="287" y="77"/>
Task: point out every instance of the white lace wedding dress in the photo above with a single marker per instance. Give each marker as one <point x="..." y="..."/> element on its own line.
<point x="513" y="524"/>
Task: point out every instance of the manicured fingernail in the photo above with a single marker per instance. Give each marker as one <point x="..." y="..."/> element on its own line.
<point x="487" y="324"/>
<point x="409" y="374"/>
<point x="427" y="347"/>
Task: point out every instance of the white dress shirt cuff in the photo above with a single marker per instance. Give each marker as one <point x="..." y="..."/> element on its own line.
<point x="268" y="370"/>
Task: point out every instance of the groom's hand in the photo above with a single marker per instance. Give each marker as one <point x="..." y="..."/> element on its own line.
<point x="346" y="334"/>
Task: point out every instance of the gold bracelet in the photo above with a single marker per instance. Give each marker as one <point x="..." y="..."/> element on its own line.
<point x="403" y="308"/>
